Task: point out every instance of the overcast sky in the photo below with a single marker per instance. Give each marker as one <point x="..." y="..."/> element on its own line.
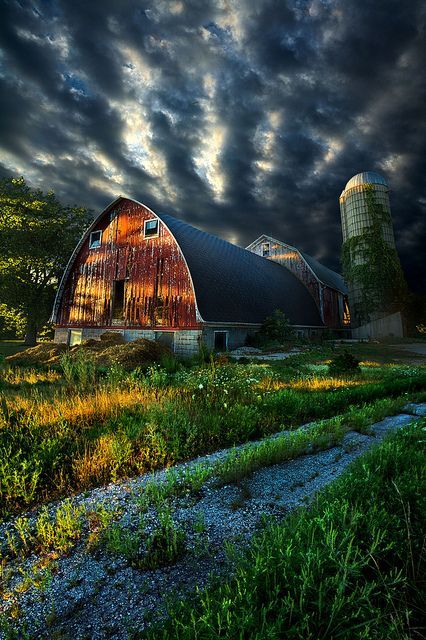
<point x="241" y="117"/>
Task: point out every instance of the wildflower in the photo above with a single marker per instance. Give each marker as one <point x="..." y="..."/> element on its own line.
<point x="201" y="386"/>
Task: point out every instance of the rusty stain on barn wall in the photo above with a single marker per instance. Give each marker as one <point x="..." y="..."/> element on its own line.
<point x="129" y="280"/>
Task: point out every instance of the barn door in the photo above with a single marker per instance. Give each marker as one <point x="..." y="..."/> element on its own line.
<point x="118" y="298"/>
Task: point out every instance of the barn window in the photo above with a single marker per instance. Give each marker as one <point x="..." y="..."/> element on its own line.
<point x="266" y="249"/>
<point x="95" y="239"/>
<point x="150" y="228"/>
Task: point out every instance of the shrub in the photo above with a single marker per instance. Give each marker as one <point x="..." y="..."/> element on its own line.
<point x="275" y="330"/>
<point x="343" y="363"/>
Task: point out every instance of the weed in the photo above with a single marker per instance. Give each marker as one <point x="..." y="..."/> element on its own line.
<point x="120" y="541"/>
<point x="166" y="544"/>
<point x="78" y="368"/>
<point x="57" y="531"/>
<point x="199" y="524"/>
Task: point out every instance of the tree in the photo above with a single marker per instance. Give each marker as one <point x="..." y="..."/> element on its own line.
<point x="277" y="327"/>
<point x="37" y="236"/>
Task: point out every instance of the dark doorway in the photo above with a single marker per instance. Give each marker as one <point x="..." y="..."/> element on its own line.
<point x="118" y="300"/>
<point x="220" y="340"/>
<point x="165" y="337"/>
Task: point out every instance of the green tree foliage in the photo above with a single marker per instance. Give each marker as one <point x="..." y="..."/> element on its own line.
<point x="371" y="265"/>
<point x="277" y="327"/>
<point x="37" y="236"/>
<point x="12" y="323"/>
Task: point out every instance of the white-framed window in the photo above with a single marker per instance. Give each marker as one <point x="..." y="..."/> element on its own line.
<point x="75" y="336"/>
<point x="266" y="249"/>
<point x="150" y="228"/>
<point x="95" y="239"/>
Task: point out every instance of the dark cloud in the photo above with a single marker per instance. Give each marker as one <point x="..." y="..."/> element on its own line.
<point x="240" y="117"/>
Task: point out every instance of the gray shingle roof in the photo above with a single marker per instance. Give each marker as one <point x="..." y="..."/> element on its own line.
<point x="234" y="285"/>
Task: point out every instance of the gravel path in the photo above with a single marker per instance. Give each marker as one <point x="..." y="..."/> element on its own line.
<point x="93" y="595"/>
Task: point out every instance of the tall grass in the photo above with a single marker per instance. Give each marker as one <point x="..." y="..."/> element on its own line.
<point x="61" y="439"/>
<point x="78" y="368"/>
<point x="19" y="377"/>
<point x="352" y="566"/>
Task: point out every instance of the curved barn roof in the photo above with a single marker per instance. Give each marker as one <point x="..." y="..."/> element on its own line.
<point x="231" y="284"/>
<point x="234" y="285"/>
<point x="324" y="274"/>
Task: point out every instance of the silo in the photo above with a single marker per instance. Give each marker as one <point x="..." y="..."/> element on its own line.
<point x="371" y="265"/>
<point x="355" y="210"/>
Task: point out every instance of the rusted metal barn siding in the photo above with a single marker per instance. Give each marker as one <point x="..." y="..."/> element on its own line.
<point x="158" y="291"/>
<point x="332" y="307"/>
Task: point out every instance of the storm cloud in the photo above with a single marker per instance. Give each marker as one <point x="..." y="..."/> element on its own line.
<point x="239" y="117"/>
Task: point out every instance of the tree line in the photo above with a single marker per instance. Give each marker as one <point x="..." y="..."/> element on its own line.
<point x="37" y="237"/>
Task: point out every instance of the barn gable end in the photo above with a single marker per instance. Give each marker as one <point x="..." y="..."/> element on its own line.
<point x="133" y="279"/>
<point x="326" y="286"/>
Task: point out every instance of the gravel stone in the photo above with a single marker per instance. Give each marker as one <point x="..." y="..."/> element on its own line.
<point x="415" y="409"/>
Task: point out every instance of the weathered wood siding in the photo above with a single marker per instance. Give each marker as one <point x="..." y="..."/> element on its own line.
<point x="158" y="291"/>
<point x="328" y="300"/>
<point x="331" y="307"/>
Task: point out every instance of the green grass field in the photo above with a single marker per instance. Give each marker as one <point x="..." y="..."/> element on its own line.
<point x="353" y="559"/>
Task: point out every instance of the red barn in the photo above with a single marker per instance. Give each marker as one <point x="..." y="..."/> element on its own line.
<point x="150" y="275"/>
<point x="326" y="286"/>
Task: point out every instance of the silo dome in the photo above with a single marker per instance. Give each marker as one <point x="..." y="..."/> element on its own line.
<point x="366" y="177"/>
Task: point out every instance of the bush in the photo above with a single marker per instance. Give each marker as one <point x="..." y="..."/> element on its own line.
<point x="275" y="330"/>
<point x="343" y="363"/>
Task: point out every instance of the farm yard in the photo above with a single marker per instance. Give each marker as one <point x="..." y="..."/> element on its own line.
<point x="212" y="321"/>
<point x="83" y="514"/>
